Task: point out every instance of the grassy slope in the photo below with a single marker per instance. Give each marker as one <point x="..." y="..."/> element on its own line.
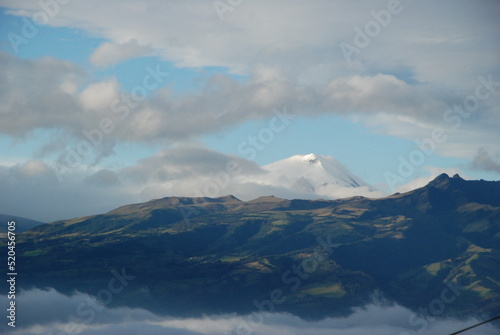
<point x="228" y="253"/>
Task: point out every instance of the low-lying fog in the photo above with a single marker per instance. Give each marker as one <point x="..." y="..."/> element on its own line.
<point x="49" y="312"/>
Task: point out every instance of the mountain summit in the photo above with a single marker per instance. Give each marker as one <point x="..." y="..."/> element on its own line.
<point x="321" y="175"/>
<point x="194" y="255"/>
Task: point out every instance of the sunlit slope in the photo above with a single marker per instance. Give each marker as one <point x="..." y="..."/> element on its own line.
<point x="194" y="255"/>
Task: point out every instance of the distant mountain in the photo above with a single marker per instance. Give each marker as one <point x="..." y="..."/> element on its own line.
<point x="22" y="224"/>
<point x="311" y="174"/>
<point x="201" y="255"/>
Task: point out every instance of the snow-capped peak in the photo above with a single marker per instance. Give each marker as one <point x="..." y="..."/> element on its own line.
<point x="311" y="158"/>
<point x="311" y="173"/>
<point x="309" y="176"/>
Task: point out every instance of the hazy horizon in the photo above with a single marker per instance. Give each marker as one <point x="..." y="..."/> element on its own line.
<point x="377" y="317"/>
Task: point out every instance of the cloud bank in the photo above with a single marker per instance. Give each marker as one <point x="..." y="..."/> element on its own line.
<point x="61" y="315"/>
<point x="193" y="171"/>
<point x="108" y="53"/>
<point x="409" y="71"/>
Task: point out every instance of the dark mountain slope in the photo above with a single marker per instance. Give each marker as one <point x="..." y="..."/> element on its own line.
<point x="200" y="255"/>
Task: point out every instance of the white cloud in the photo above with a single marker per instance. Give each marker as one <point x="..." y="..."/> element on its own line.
<point x="37" y="94"/>
<point x="222" y="102"/>
<point x="60" y="313"/>
<point x="109" y="53"/>
<point x="98" y="96"/>
<point x="382" y="93"/>
<point x="290" y="51"/>
<point x="383" y="101"/>
<point x="192" y="34"/>
<point x="484" y="161"/>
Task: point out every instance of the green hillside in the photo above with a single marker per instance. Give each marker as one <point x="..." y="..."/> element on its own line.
<point x="200" y="255"/>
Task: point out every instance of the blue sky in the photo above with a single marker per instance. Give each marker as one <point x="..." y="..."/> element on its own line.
<point x="220" y="77"/>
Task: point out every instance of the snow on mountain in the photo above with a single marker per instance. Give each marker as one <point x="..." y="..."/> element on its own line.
<point x="315" y="176"/>
<point x="311" y="171"/>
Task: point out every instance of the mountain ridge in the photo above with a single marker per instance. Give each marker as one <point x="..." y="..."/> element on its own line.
<point x="190" y="252"/>
<point x="22" y="223"/>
